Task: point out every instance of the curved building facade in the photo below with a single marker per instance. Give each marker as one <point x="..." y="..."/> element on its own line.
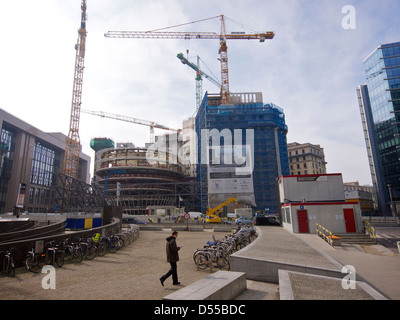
<point x="141" y="184"/>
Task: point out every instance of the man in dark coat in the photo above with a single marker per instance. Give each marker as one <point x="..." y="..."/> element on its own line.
<point x="172" y="257"/>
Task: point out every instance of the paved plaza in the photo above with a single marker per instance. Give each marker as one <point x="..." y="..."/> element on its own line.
<point x="133" y="272"/>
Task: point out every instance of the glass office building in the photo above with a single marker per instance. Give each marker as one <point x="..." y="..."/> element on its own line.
<point x="379" y="101"/>
<point x="33" y="158"/>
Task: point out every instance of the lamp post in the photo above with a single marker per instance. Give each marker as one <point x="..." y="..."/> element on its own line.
<point x="392" y="207"/>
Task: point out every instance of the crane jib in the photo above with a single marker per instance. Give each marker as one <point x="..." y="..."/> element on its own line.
<point x="185" y="35"/>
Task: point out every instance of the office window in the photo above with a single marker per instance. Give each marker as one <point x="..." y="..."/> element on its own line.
<point x="42" y="165"/>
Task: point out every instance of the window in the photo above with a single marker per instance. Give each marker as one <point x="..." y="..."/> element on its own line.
<point x="42" y="165"/>
<point x="7" y="146"/>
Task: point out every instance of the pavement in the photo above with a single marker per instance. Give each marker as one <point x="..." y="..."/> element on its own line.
<point x="375" y="266"/>
<point x="133" y="272"/>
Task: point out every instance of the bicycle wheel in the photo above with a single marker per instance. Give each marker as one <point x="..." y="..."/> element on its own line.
<point x="90" y="252"/>
<point x="31" y="264"/>
<point x="49" y="259"/>
<point x="4" y="266"/>
<point x="77" y="255"/>
<point x="101" y="249"/>
<point x="59" y="259"/>
<point x="113" y="246"/>
<point x="11" y="269"/>
<point x="68" y="254"/>
<point x="223" y="264"/>
<point x="201" y="260"/>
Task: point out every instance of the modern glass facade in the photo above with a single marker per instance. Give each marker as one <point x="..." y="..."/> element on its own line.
<point x="380" y="102"/>
<point x="266" y="122"/>
<point x="7" y="146"/>
<point x="33" y="158"/>
<point x="43" y="166"/>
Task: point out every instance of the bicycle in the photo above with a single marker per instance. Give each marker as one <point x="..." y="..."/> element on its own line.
<point x="88" y="248"/>
<point x="32" y="261"/>
<point x="54" y="253"/>
<point x="208" y="256"/>
<point x="72" y="251"/>
<point x="112" y="243"/>
<point x="9" y="263"/>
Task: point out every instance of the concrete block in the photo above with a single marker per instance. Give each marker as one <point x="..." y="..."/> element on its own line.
<point x="222" y="285"/>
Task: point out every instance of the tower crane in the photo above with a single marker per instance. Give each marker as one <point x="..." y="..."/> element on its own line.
<point x="151" y="124"/>
<point x="72" y="142"/>
<point x="199" y="74"/>
<point x="222" y="37"/>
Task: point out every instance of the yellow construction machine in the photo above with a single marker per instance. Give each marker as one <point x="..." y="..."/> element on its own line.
<point x="212" y="214"/>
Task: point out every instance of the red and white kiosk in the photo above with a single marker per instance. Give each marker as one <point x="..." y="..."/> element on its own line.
<point x="310" y="199"/>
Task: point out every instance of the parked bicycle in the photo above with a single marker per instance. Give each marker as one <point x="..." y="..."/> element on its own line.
<point x="109" y="244"/>
<point x="210" y="257"/>
<point x="217" y="252"/>
<point x="54" y="253"/>
<point x="9" y="263"/>
<point x="88" y="248"/>
<point x="32" y="261"/>
<point x="72" y="251"/>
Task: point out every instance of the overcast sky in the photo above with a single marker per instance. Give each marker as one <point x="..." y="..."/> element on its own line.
<point x="311" y="69"/>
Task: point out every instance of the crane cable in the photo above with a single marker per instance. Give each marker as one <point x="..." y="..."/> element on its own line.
<point x="183" y="24"/>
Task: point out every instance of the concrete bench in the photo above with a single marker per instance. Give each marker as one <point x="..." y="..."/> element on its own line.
<point x="222" y="285"/>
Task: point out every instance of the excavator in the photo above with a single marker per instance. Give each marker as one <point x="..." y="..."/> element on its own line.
<point x="212" y="215"/>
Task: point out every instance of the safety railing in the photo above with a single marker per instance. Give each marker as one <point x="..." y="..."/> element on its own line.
<point x="370" y="230"/>
<point x="327" y="235"/>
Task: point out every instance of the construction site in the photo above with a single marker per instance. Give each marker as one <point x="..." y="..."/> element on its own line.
<point x="234" y="146"/>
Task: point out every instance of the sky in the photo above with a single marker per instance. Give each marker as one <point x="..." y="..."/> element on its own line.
<point x="311" y="69"/>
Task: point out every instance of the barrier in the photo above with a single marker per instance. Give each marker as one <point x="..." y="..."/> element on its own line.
<point x="378" y="220"/>
<point x="370" y="229"/>
<point x="328" y="236"/>
<point x="23" y="246"/>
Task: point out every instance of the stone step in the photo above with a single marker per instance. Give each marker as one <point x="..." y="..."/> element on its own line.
<point x="356" y="238"/>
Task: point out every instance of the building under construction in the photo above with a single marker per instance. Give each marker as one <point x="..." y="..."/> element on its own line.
<point x="132" y="181"/>
<point x="256" y="129"/>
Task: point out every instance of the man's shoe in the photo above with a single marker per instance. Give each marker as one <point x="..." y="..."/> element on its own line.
<point x="162" y="281"/>
<point x="176" y="284"/>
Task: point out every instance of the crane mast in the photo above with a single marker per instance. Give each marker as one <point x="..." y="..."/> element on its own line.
<point x="222" y="37"/>
<point x="72" y="143"/>
<point x="199" y="74"/>
<point x="223" y="53"/>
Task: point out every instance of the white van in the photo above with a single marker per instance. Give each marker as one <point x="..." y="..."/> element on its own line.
<point x="194" y="215"/>
<point x="232" y="216"/>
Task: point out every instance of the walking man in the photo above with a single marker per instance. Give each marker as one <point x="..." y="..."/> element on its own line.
<point x="172" y="257"/>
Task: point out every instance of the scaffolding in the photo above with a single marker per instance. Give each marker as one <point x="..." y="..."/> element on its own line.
<point x="73" y="195"/>
<point x="247" y="111"/>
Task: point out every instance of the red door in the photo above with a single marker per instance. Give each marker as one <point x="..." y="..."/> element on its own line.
<point x="349" y="220"/>
<point x="303" y="221"/>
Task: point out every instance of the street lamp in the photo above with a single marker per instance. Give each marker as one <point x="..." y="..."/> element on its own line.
<point x="391" y="200"/>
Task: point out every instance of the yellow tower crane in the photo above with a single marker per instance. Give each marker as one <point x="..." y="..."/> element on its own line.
<point x="222" y="37"/>
<point x="72" y="142"/>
